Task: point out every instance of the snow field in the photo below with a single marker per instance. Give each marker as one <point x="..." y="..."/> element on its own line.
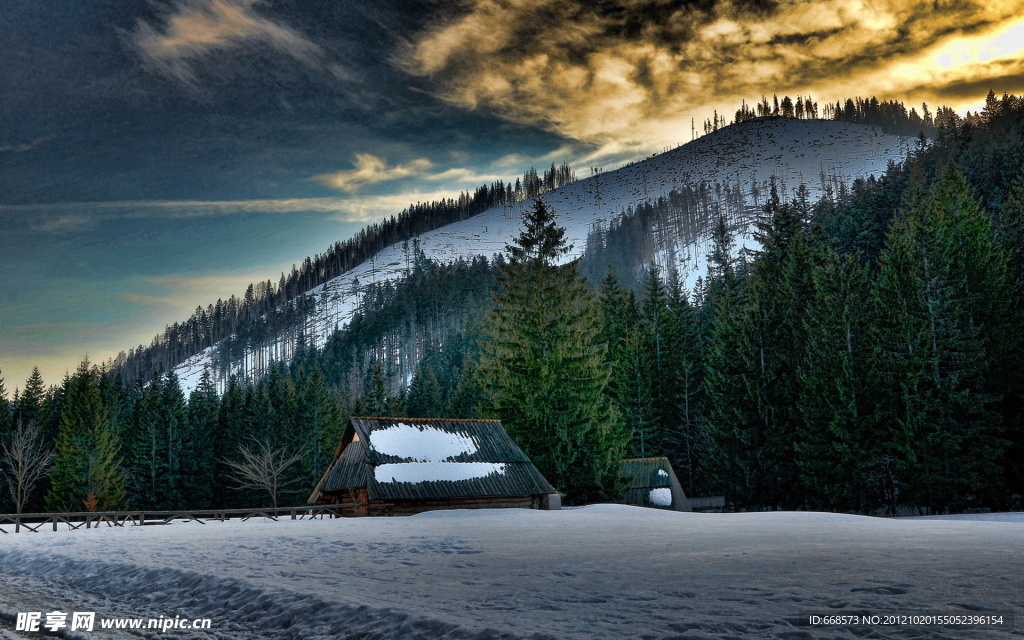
<point x="604" y="571"/>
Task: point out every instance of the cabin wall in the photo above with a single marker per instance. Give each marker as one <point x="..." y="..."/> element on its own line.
<point x="410" y="507"/>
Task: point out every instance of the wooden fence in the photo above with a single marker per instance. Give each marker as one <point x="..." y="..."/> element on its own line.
<point x="90" y="519"/>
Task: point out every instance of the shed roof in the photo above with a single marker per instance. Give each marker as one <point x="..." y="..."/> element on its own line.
<point x="415" y="459"/>
<point x="646" y="473"/>
<point x="651" y="482"/>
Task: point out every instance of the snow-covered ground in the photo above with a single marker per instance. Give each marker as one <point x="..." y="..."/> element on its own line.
<point x="792" y="152"/>
<point x="605" y="571"/>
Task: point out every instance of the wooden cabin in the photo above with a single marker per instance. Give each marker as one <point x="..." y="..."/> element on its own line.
<point x="402" y="466"/>
<point x="651" y="482"/>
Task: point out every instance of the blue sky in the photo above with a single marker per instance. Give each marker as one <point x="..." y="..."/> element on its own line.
<point x="155" y="156"/>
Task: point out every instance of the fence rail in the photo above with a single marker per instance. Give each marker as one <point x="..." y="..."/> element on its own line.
<point x="33" y="522"/>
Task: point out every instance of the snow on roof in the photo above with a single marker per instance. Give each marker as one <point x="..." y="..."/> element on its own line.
<point x="421" y="442"/>
<point x="409" y="458"/>
<point x="436" y="471"/>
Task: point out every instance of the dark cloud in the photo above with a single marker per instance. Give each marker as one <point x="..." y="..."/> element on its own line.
<point x="630" y="71"/>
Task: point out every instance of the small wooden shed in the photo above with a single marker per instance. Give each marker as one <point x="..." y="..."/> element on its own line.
<point x="651" y="482"/>
<point x="409" y="465"/>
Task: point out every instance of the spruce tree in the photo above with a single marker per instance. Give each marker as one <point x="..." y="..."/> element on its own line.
<point x="757" y="343"/>
<point x="231" y="434"/>
<point x="1008" y="225"/>
<point x="86" y="471"/>
<point x="321" y="420"/>
<point x="732" y="464"/>
<point x="543" y="367"/>
<point x="657" y="329"/>
<point x="424" y="397"/>
<point x="6" y="430"/>
<point x="833" y="445"/>
<point x="29" y="407"/>
<point x="173" y="423"/>
<point x="943" y="304"/>
<point x="374" y="399"/>
<point x="198" y="461"/>
<point x="628" y="386"/>
<point x="6" y="414"/>
<point x="686" y="437"/>
<point x="145" y="462"/>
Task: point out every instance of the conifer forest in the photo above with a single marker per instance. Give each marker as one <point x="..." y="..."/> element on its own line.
<point x="867" y="358"/>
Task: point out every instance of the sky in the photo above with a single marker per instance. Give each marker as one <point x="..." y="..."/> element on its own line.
<point x="156" y="156"/>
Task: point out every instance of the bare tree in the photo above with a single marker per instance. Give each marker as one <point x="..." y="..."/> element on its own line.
<point x="27" y="458"/>
<point x="264" y="467"/>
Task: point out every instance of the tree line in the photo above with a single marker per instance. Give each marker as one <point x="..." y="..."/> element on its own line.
<point x="866" y="357"/>
<point x="243" y="319"/>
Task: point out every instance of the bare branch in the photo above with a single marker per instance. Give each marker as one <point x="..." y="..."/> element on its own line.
<point x="263" y="467"/>
<point x="27" y="458"/>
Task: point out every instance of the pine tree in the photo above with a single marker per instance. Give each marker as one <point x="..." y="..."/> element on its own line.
<point x="6" y="415"/>
<point x="424" y="397"/>
<point x="145" y="464"/>
<point x="374" y="399"/>
<point x="231" y="434"/>
<point x="469" y="392"/>
<point x="173" y="422"/>
<point x="732" y="464"/>
<point x="657" y="336"/>
<point x="1008" y="225"/>
<point x="29" y="407"/>
<point x="197" y="453"/>
<point x="686" y="438"/>
<point x="833" y="441"/>
<point x="628" y="386"/>
<point x="943" y="303"/>
<point x="321" y="422"/>
<point x="86" y="469"/>
<point x="6" y="432"/>
<point x="544" y="369"/>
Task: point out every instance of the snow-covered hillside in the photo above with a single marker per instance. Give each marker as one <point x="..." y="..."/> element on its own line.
<point x="593" y="573"/>
<point x="790" y="152"/>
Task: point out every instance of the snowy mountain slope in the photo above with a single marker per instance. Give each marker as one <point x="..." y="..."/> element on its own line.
<point x="591" y="573"/>
<point x="747" y="155"/>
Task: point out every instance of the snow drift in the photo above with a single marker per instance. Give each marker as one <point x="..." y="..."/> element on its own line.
<point x="605" y="571"/>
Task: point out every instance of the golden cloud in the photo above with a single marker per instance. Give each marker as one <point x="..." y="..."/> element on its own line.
<point x="630" y="74"/>
<point x="370" y="169"/>
<point x="198" y="28"/>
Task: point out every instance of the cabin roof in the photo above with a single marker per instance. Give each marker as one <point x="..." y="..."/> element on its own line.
<point x="651" y="482"/>
<point x="412" y="458"/>
<point x="646" y="473"/>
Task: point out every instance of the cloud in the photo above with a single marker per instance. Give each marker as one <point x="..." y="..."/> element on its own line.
<point x="25" y="146"/>
<point x="71" y="217"/>
<point x="377" y="207"/>
<point x="62" y="223"/>
<point x="629" y="74"/>
<point x="369" y="170"/>
<point x="180" y="294"/>
<point x="196" y="29"/>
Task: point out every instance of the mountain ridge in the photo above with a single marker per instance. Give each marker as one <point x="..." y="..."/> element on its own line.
<point x="742" y="160"/>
